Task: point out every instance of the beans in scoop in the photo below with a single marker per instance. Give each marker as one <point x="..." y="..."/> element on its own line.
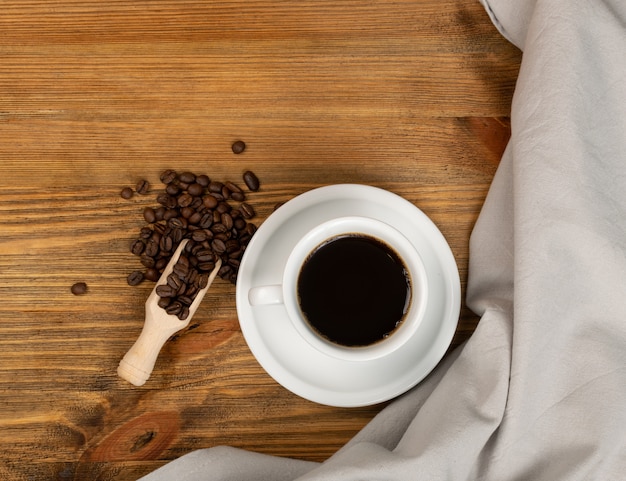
<point x="216" y="218"/>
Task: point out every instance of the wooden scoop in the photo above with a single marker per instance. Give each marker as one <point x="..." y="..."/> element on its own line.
<point x="159" y="326"/>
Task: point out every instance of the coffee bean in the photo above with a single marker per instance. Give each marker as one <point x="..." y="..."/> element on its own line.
<point x="227" y="221"/>
<point x="187" y="177"/>
<point x="223" y="207"/>
<point x="205" y="255"/>
<point x="195" y="218"/>
<point x="202" y="280"/>
<point x="187" y="212"/>
<point x="152" y="248"/>
<point x="210" y="201"/>
<point x="191" y="277"/>
<point x="163" y="302"/>
<point x="165" y="290"/>
<point x="148" y="261"/>
<point x="168" y="176"/>
<point x="216" y="188"/>
<point x="251" y="180"/>
<point x="224" y="271"/>
<point x="126" y="193"/>
<point x="246" y="210"/>
<point x="232" y="245"/>
<point x="205" y="221"/>
<point x="138" y="247"/>
<point x="250" y="229"/>
<point x="199" y="235"/>
<point x="166" y="200"/>
<point x="191" y="291"/>
<point x="218" y="246"/>
<point x="181" y="268"/>
<point x="244" y="239"/>
<point x="135" y="278"/>
<point x="79" y="288"/>
<point x="166" y="244"/>
<point x="161" y="263"/>
<point x="152" y="274"/>
<point x="149" y="215"/>
<point x="195" y="189"/>
<point x="233" y="188"/>
<point x="176" y="223"/>
<point x="185" y="200"/>
<point x="184" y="313"/>
<point x="238" y="223"/>
<point x="172" y="189"/>
<point x="219" y="228"/>
<point x="185" y="300"/>
<point x="203" y="180"/>
<point x="174" y="308"/>
<point x="142" y="187"/>
<point x="236" y="254"/>
<point x="175" y="282"/>
<point x="170" y="214"/>
<point x="238" y="146"/>
<point x="177" y="235"/>
<point x="207" y="266"/>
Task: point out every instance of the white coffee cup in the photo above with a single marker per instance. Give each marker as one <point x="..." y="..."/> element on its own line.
<point x="287" y="292"/>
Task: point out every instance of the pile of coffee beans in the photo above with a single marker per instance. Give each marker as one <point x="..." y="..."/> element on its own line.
<point x="216" y="219"/>
<point x="184" y="282"/>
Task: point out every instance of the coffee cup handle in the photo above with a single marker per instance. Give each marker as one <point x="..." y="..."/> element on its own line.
<point x="266" y="295"/>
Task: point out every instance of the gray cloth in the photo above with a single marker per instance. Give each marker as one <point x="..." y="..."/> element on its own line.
<point x="539" y="390"/>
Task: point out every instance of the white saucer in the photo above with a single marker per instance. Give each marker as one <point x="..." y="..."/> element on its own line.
<point x="291" y="360"/>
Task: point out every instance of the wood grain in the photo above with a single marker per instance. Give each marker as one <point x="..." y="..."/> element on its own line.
<point x="411" y="96"/>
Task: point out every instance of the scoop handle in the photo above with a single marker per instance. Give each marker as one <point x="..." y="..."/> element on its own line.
<point x="138" y="363"/>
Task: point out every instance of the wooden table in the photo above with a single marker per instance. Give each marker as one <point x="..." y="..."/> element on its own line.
<point x="410" y="96"/>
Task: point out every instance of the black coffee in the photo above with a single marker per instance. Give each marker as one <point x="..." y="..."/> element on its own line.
<point x="354" y="290"/>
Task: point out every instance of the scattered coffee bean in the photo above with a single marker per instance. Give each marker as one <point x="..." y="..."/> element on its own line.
<point x="168" y="176"/>
<point x="142" y="187"/>
<point x="79" y="288"/>
<point x="126" y="193"/>
<point x="149" y="214"/>
<point x="246" y="210"/>
<point x="138" y="247"/>
<point x="135" y="278"/>
<point x="238" y="146"/>
<point x="251" y="180"/>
